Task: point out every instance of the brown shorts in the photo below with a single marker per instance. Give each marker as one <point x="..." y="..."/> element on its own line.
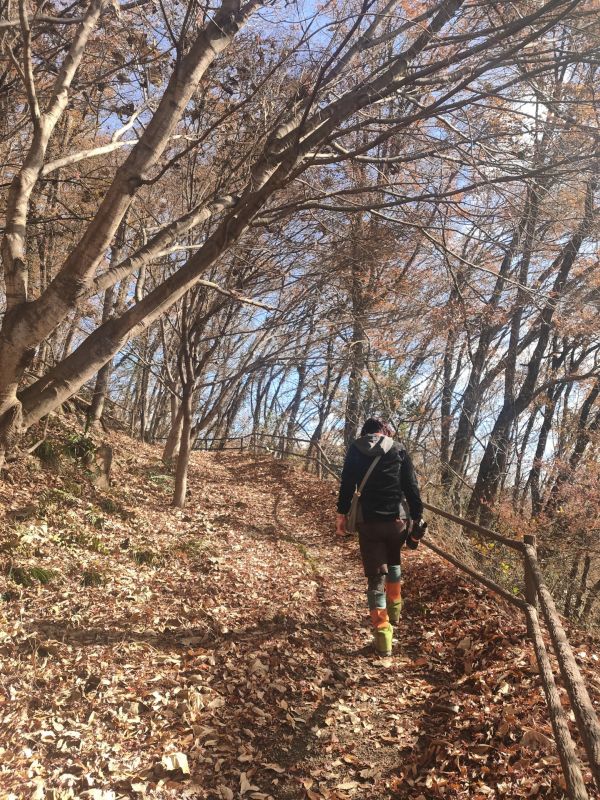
<point x="380" y="542"/>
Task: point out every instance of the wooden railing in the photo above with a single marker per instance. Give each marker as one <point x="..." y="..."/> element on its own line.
<point x="279" y="448"/>
<point x="535" y="594"/>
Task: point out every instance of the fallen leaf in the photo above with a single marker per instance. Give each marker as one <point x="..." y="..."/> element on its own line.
<point x="245" y="785"/>
<point x="176" y="762"/>
<point x="536" y="740"/>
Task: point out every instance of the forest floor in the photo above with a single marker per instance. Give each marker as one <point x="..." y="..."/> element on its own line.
<point x="223" y="651"/>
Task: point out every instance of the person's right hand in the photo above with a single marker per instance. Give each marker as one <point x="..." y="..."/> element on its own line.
<point x="417" y="530"/>
<point x="340" y="525"/>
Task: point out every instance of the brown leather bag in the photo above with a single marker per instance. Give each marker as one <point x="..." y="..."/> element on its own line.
<point x="352" y="520"/>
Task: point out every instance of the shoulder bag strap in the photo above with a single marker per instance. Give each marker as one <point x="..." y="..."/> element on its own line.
<point x="368" y="473"/>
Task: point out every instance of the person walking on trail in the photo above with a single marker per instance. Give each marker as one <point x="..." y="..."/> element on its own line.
<point x="390" y="481"/>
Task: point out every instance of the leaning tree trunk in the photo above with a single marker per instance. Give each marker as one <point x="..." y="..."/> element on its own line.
<point x="158" y="413"/>
<point x="96" y="409"/>
<point x="571" y="584"/>
<point x="295" y="407"/>
<point x="328" y="393"/>
<point x="25" y="324"/>
<point x="143" y="405"/>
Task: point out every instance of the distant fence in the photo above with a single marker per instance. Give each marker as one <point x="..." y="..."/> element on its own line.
<point x="279" y="447"/>
<point x="535" y="595"/>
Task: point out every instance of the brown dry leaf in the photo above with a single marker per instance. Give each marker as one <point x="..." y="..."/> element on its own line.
<point x="275" y="768"/>
<point x="143" y="668"/>
<point x="245" y="785"/>
<point x="176" y="762"/>
<point x="536" y="740"/>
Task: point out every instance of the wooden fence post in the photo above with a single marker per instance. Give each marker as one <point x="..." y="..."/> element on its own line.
<point x="585" y="713"/>
<point x="566" y="749"/>
<point x="530" y="587"/>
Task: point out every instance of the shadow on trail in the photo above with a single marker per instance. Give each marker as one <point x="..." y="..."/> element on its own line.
<point x="425" y="714"/>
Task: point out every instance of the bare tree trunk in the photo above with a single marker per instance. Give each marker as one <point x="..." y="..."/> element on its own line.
<point x="102" y="379"/>
<point x="183" y="459"/>
<point x="69" y="338"/>
<point x="446" y="410"/>
<point x="591" y="598"/>
<point x="536" y="467"/>
<point x="295" y="405"/>
<point x="358" y="362"/>
<point x="158" y="413"/>
<point x="100" y="393"/>
<point x="330" y="387"/>
<point x="145" y="369"/>
<point x="521" y="450"/>
<point x="571" y="584"/>
<point x="173" y="443"/>
<point x="587" y="562"/>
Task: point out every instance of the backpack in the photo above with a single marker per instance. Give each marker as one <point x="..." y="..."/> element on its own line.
<point x="352" y="520"/>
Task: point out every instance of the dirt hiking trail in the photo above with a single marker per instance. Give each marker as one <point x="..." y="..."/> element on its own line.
<point x="224" y="652"/>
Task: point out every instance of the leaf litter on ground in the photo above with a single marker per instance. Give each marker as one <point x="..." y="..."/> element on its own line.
<point x="232" y="659"/>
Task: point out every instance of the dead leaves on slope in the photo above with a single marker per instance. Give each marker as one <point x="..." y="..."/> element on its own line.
<point x="235" y="664"/>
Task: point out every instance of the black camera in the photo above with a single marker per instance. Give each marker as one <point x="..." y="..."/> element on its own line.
<point x="417" y="532"/>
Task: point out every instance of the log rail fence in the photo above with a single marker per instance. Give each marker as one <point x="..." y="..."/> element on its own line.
<point x="535" y="596"/>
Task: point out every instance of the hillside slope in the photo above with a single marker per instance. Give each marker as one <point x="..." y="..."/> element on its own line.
<point x="223" y="651"/>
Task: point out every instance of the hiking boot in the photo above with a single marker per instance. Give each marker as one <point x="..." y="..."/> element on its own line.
<point x="394" y="609"/>
<point x="383" y="639"/>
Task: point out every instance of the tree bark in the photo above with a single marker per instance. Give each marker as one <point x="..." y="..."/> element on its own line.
<point x="494" y="456"/>
<point x="183" y="459"/>
<point x="26" y="324"/>
<point x="584" y="436"/>
<point x="173" y="443"/>
<point x="358" y="353"/>
<point x="591" y="598"/>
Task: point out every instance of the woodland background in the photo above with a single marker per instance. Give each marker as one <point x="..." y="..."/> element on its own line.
<point x="277" y="218"/>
